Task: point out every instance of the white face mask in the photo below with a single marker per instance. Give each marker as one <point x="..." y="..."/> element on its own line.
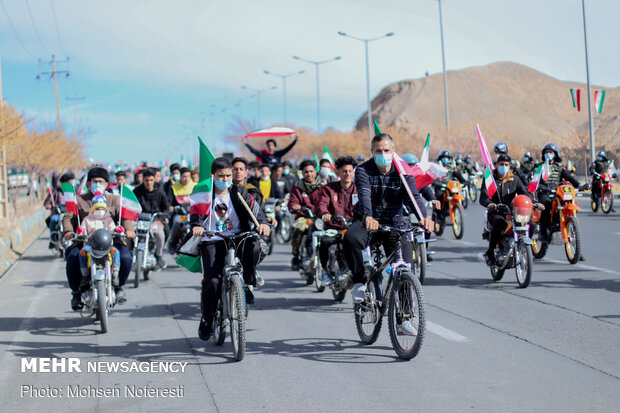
<point x="324" y="171"/>
<point x="264" y="178"/>
<point x="99" y="213"/>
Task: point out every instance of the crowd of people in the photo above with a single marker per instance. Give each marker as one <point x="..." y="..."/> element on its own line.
<point x="367" y="194"/>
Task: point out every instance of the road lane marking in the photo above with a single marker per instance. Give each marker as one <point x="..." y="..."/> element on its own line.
<point x="445" y="333"/>
<point x="585" y="267"/>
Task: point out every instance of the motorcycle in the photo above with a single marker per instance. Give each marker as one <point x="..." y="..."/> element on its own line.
<point x="336" y="265"/>
<point x="308" y="268"/>
<point x="451" y="206"/>
<point x="180" y="228"/>
<point x="563" y="228"/>
<point x="143" y="257"/>
<point x="99" y="298"/>
<point x="60" y="244"/>
<point x="606" y="197"/>
<point x="514" y="248"/>
<point x="285" y="223"/>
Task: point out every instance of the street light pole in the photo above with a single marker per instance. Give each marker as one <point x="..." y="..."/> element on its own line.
<point x="318" y="90"/>
<point x="585" y="41"/>
<point x="258" y="93"/>
<point x="366" y="41"/>
<point x="443" y="60"/>
<point x="283" y="77"/>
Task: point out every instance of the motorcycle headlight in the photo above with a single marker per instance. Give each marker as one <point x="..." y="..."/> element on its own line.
<point x="319" y="224"/>
<point x="522" y="218"/>
<point x="143" y="225"/>
<point x="567" y="197"/>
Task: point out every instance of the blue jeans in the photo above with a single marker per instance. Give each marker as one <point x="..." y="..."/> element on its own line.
<point x="74" y="275"/>
<point x="116" y="260"/>
<point x="53" y="225"/>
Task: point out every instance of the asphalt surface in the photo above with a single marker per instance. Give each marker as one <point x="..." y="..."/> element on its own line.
<point x="490" y="346"/>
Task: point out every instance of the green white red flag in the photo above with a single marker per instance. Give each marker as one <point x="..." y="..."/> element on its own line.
<point x="316" y="161"/>
<point x="327" y="155"/>
<point x="489" y="182"/>
<point x="425" y="173"/>
<point x="130" y="206"/>
<point x="82" y="186"/>
<point x="599" y="97"/>
<point x="576" y="96"/>
<point x="424" y="157"/>
<point x="202" y="194"/>
<point x="68" y="197"/>
<point x="541" y="173"/>
<point x="270" y="132"/>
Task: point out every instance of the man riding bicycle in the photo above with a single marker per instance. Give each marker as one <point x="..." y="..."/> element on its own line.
<point x="381" y="195"/>
<point x="213" y="249"/>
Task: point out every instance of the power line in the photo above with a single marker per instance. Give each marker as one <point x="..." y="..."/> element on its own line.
<point x="15" y="31"/>
<point x="62" y="47"/>
<point x="34" y="26"/>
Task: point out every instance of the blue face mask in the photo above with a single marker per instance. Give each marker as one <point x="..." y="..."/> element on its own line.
<point x="222" y="185"/>
<point x="285" y="172"/>
<point x="503" y="170"/>
<point x="600" y="159"/>
<point x="98" y="187"/>
<point x="549" y="156"/>
<point x="445" y="160"/>
<point x="383" y="160"/>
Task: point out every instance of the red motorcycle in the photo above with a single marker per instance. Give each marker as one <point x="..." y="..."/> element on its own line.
<point x="605" y="198"/>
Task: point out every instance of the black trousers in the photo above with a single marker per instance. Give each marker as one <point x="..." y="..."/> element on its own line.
<point x="213" y="259"/>
<point x="326" y="242"/>
<point x="74" y="274"/>
<point x="498" y="225"/>
<point x="545" y="216"/>
<point x="357" y="238"/>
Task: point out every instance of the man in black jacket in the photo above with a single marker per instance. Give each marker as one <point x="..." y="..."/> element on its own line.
<point x="270" y="155"/>
<point x="153" y="201"/>
<point x="508" y="187"/>
<point x="235" y="219"/>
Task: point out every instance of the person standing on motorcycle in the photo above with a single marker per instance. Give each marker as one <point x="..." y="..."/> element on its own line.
<point x="502" y="148"/>
<point x="445" y="159"/>
<point x="305" y="193"/>
<point x="267" y="186"/>
<point x="596" y="169"/>
<point x="508" y="187"/>
<point x="528" y="165"/>
<point x="213" y="249"/>
<point x="97" y="181"/>
<point x="336" y="198"/>
<point x="546" y="189"/>
<point x="382" y="196"/>
<point x="154" y="201"/>
<point x="270" y="155"/>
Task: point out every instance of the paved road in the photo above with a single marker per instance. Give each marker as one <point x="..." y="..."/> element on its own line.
<point x="490" y="346"/>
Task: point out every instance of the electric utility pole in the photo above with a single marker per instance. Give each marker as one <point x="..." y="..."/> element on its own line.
<point x="54" y="74"/>
<point x="75" y="118"/>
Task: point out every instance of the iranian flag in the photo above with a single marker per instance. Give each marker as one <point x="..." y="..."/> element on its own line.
<point x="328" y="155"/>
<point x="200" y="199"/>
<point x="424" y="157"/>
<point x="69" y="198"/>
<point x="270" y="132"/>
<point x="576" y="96"/>
<point x="130" y="206"/>
<point x="599" y="97"/>
<point x="541" y="173"/>
<point x="316" y="161"/>
<point x="82" y="186"/>
<point x="425" y="173"/>
<point x="489" y="182"/>
<point x="484" y="150"/>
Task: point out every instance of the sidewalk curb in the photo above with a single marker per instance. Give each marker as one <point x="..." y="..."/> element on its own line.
<point x="35" y="222"/>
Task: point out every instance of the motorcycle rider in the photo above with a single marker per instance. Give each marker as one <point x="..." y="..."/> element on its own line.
<point x="596" y="169"/>
<point x="445" y="159"/>
<point x="121" y="179"/>
<point x="55" y="200"/>
<point x="137" y="176"/>
<point x="289" y="176"/>
<point x="546" y="189"/>
<point x="267" y="186"/>
<point x="175" y="176"/>
<point x="502" y="148"/>
<point x="153" y="201"/>
<point x="528" y="165"/>
<point x="305" y="193"/>
<point x="326" y="174"/>
<point x="213" y="250"/>
<point x="381" y="197"/>
<point x="508" y="187"/>
<point x="240" y="178"/>
<point x="97" y="180"/>
<point x="181" y="191"/>
<point x="277" y="174"/>
<point x="270" y="155"/>
<point x="336" y="198"/>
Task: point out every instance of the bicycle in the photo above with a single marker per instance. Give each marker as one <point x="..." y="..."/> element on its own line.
<point x="405" y="303"/>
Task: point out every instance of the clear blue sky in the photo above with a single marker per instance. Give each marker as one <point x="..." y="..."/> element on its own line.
<point x="151" y="70"/>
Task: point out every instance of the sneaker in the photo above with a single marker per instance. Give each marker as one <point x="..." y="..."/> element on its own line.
<point x="120" y="295"/>
<point x="204" y="330"/>
<point x="358" y="294"/>
<point x="84" y="284"/>
<point x="76" y="302"/>
<point x="295" y="264"/>
<point x="326" y="278"/>
<point x="406" y="329"/>
<point x="259" y="280"/>
<point x="161" y="262"/>
<point x="249" y="296"/>
<point x="51" y="245"/>
<point x="489" y="258"/>
<point x="429" y="257"/>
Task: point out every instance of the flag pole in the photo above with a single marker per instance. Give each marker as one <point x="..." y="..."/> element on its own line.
<point x="120" y="211"/>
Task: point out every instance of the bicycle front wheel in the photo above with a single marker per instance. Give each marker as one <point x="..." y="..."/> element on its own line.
<point x="368" y="315"/>
<point x="236" y="296"/>
<point x="407" y="316"/>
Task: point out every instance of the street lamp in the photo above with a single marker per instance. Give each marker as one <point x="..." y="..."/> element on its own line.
<point x="284" y="77"/>
<point x="585" y="41"/>
<point x="318" y="94"/>
<point x="258" y="93"/>
<point x="443" y="60"/>
<point x="366" y="41"/>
